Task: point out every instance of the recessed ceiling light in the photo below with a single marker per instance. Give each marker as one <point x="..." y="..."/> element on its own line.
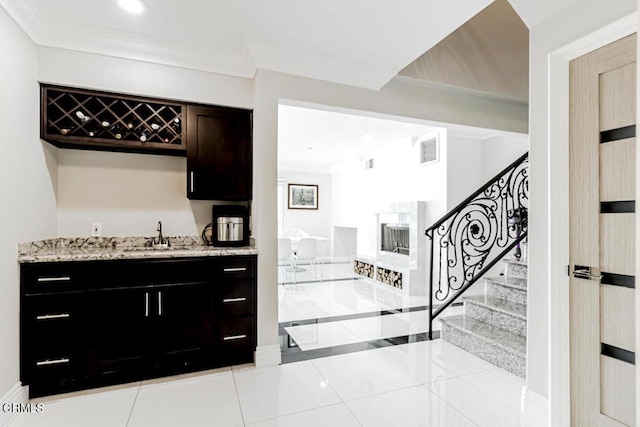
<point x="132" y="6"/>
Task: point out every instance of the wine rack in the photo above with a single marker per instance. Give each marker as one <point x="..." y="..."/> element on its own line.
<point x="88" y="119"/>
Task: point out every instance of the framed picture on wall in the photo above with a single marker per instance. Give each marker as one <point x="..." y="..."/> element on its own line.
<point x="303" y="196"/>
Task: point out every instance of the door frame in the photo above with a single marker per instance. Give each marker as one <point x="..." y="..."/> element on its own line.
<point x="558" y="215"/>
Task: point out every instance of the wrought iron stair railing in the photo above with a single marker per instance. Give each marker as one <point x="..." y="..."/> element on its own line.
<point x="476" y="234"/>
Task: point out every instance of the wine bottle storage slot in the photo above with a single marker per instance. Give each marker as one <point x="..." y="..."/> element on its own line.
<point x="84" y="118"/>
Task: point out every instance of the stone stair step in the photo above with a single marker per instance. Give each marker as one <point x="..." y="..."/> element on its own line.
<point x="497" y="346"/>
<point x="516" y="268"/>
<point x="509" y="288"/>
<point x="498" y="312"/>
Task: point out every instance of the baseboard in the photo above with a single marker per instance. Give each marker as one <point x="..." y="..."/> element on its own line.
<point x="268" y="355"/>
<point x="535" y="406"/>
<point x="17" y="394"/>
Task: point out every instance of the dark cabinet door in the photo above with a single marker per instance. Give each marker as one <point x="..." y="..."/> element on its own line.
<point x="119" y="341"/>
<point x="183" y="328"/>
<point x="219" y="153"/>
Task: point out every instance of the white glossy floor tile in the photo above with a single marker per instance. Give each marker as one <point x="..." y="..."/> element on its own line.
<point x="429" y="361"/>
<point x="390" y="325"/>
<point x="410" y="407"/>
<point x="334" y="416"/>
<point x="320" y="335"/>
<point x="106" y="409"/>
<point x="336" y="298"/>
<point x="189" y="402"/>
<point x="489" y="398"/>
<point x="361" y="374"/>
<point x="282" y="390"/>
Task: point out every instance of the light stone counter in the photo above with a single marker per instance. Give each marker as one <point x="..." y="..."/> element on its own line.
<point x="116" y="248"/>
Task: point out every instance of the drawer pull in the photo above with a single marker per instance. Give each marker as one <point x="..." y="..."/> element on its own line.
<point x="232" y="269"/>
<point x="52" y="362"/>
<point x="54" y="279"/>
<point x="228" y="300"/>
<point x="234" y="337"/>
<point x="53" y="316"/>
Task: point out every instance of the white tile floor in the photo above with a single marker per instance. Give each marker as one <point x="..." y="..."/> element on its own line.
<point x="338" y="298"/>
<point x="330" y="334"/>
<point x="430" y="383"/>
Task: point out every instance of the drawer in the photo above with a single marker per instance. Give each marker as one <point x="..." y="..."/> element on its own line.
<point x="235" y="299"/>
<point x="236" y="335"/>
<point x="151" y="272"/>
<point x="52" y="309"/>
<point x="51" y="277"/>
<point x="237" y="267"/>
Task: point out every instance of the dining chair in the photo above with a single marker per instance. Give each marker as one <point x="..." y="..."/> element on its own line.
<point x="307" y="251"/>
<point x="285" y="256"/>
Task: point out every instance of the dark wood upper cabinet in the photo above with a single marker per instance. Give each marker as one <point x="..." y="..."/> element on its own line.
<point x="216" y="140"/>
<point x="219" y="153"/>
<point x="94" y="120"/>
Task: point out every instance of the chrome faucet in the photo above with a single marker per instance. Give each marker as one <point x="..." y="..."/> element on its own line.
<point x="160" y="240"/>
<point x="159" y="229"/>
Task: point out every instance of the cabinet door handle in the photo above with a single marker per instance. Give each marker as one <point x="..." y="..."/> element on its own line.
<point x="54" y="279"/>
<point x="232" y="269"/>
<point x="160" y="303"/>
<point x="228" y="300"/>
<point x="53" y="316"/>
<point x="191" y="183"/>
<point x="234" y="337"/>
<point x="53" y="362"/>
<point x="146" y="304"/>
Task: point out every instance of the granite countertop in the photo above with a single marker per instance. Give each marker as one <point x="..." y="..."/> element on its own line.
<point x="113" y="248"/>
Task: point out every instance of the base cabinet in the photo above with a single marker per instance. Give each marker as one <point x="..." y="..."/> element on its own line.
<point x="110" y="322"/>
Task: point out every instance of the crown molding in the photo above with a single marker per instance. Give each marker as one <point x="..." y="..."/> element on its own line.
<point x="127" y="45"/>
<point x="245" y="63"/>
<point x="315" y="67"/>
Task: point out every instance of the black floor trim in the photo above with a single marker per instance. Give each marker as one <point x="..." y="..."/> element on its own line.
<point x="618" y="353"/>
<point x="291" y="352"/>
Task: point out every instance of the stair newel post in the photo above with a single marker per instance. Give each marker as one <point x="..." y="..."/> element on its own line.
<point x="429" y="234"/>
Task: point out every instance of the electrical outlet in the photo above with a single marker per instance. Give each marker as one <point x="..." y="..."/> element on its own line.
<point x="96" y="229"/>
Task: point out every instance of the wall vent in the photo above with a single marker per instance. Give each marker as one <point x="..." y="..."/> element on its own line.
<point x="368" y="164"/>
<point x="429" y="151"/>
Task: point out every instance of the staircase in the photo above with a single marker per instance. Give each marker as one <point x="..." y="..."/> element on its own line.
<point x="494" y="325"/>
<point x="465" y="244"/>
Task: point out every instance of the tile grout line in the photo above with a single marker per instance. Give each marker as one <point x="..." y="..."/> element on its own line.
<point x="235" y="386"/>
<point x="134" y="404"/>
<point x="462" y="414"/>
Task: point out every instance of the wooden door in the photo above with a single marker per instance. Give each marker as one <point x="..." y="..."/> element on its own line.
<point x="602" y="235"/>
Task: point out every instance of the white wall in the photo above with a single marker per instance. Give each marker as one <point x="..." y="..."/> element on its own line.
<point x="28" y="178"/>
<point x="464" y="169"/>
<point x="397" y="176"/>
<point x="129" y="193"/>
<point x="500" y="151"/>
<point x="546" y="38"/>
<point x="314" y="222"/>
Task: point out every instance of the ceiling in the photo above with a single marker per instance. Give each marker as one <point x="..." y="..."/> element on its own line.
<point x="317" y="141"/>
<point x="489" y="53"/>
<point x="342" y="41"/>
